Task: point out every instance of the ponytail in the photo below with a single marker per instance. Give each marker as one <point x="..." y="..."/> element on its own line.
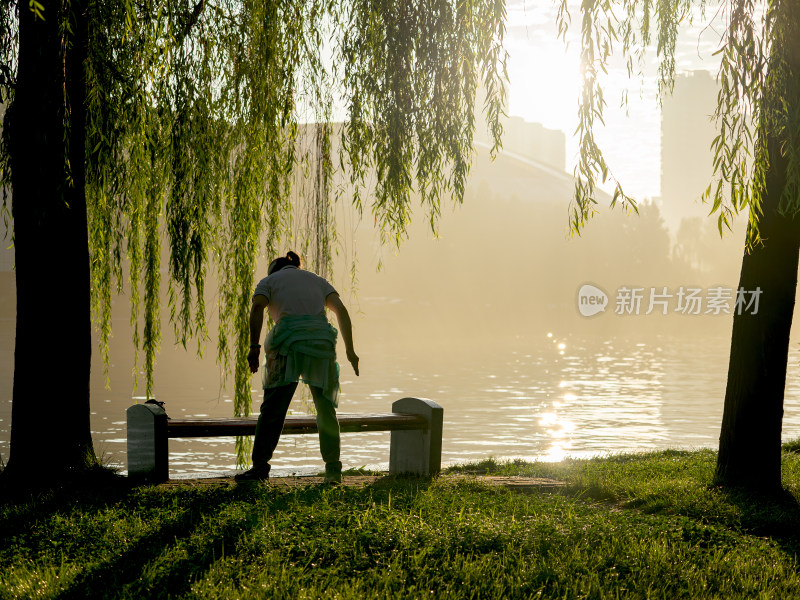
<point x="290" y="260"/>
<point x="293" y="259"/>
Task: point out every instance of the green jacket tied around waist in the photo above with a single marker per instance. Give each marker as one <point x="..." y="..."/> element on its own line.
<point x="302" y="348"/>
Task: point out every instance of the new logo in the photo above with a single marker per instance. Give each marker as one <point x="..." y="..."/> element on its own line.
<point x="591" y="300"/>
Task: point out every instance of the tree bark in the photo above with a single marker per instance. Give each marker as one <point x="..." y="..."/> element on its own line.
<point x="46" y="124"/>
<point x="750" y="440"/>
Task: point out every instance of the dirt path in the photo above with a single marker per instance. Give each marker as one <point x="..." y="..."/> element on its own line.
<point x="517" y="483"/>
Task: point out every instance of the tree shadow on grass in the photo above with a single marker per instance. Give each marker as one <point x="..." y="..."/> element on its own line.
<point x="187" y="532"/>
<point x="378" y="490"/>
<point x="91" y="492"/>
<point x="415" y="482"/>
<point x="168" y="560"/>
<point x="773" y="515"/>
<point x="175" y="535"/>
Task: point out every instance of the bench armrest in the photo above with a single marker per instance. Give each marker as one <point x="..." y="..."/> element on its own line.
<point x="417" y="451"/>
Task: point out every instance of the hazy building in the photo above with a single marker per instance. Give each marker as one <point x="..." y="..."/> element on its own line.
<point x="687" y="131"/>
<point x="532" y="141"/>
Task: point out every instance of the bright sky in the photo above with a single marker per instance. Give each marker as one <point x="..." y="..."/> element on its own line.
<point x="545" y="84"/>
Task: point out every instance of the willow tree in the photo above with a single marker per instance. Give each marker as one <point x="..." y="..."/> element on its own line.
<point x="134" y="119"/>
<point x="757" y="167"/>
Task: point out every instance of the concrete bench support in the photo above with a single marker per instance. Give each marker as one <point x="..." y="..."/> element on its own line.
<point x="415" y="425"/>
<point x="148" y="457"/>
<point x="417" y="451"/>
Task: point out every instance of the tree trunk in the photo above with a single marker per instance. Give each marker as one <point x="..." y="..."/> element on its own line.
<point x="50" y="429"/>
<point x="750" y="441"/>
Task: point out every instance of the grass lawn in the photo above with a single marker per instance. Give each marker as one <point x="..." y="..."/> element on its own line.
<point x="628" y="526"/>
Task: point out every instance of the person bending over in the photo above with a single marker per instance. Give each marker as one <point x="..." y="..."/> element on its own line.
<point x="300" y="347"/>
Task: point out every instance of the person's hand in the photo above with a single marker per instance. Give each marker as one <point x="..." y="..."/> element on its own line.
<point x="252" y="359"/>
<point x="353" y="358"/>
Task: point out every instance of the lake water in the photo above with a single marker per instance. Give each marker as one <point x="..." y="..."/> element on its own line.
<point x="543" y="398"/>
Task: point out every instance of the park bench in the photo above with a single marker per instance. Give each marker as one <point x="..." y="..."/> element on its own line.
<point x="415" y="444"/>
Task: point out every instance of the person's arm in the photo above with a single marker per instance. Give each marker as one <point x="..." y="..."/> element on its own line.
<point x="256" y="320"/>
<point x="345" y="326"/>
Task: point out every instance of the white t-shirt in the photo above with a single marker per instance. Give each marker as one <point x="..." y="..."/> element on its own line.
<point x="293" y="291"/>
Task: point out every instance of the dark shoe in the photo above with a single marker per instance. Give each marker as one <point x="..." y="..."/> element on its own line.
<point x="252" y="475"/>
<point x="333" y="473"/>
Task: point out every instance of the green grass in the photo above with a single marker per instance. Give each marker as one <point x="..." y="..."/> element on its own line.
<point x="628" y="526"/>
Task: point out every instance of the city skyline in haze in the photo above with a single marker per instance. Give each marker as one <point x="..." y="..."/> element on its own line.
<point x="544" y="87"/>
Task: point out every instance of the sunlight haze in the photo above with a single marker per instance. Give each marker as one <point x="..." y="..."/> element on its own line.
<point x="544" y="86"/>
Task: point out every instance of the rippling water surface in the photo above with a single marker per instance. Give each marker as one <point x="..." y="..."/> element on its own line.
<point x="546" y="399"/>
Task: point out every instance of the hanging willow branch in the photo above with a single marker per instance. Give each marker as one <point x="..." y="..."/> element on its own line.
<point x="194" y="136"/>
<point x="757" y="99"/>
<point x="411" y="98"/>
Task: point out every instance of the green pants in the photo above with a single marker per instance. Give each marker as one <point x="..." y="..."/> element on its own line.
<point x="273" y="414"/>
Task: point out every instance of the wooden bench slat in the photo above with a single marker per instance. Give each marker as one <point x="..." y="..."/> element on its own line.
<point x="294" y="424"/>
